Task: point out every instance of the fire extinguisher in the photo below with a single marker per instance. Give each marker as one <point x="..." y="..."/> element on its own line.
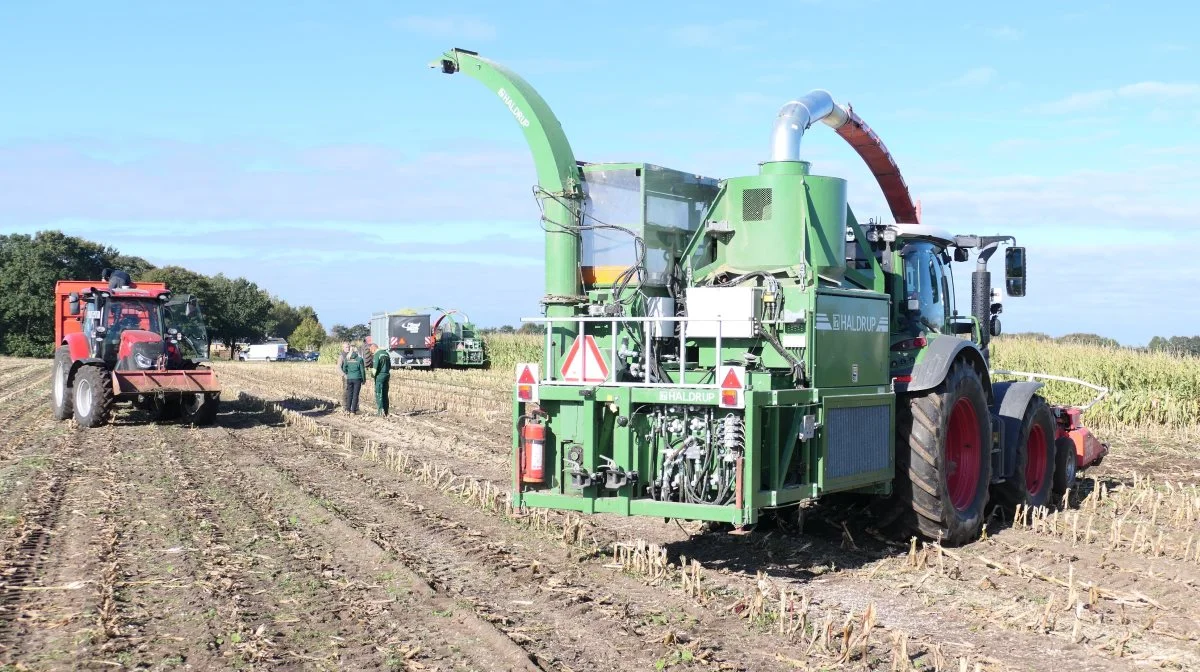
<point x="533" y="451"/>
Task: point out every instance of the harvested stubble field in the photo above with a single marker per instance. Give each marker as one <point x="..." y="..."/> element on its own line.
<point x="292" y="536"/>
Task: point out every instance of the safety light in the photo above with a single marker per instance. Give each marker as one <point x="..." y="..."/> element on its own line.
<point x="732" y="387"/>
<point x="527" y="382"/>
<point x="911" y="344"/>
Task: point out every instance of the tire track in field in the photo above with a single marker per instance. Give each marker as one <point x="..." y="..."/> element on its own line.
<point x="358" y="557"/>
<point x="624" y="602"/>
<point x="24" y="553"/>
<point x="734" y="586"/>
<point x="713" y="549"/>
<point x="441" y="533"/>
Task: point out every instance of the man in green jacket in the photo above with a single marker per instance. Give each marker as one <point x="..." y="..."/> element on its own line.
<point x="382" y="365"/>
<point x="356" y="372"/>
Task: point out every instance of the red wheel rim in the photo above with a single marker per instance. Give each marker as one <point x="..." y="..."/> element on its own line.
<point x="1035" y="460"/>
<point x="963" y="454"/>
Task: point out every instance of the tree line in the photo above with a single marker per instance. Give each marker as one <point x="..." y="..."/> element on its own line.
<point x="235" y="309"/>
<point x="1177" y="345"/>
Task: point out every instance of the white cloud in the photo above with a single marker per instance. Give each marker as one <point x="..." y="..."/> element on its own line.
<point x="732" y="34"/>
<point x="1171" y="48"/>
<point x="1087" y="100"/>
<point x="1005" y="33"/>
<point x="975" y="77"/>
<point x="448" y="27"/>
<point x="1160" y="90"/>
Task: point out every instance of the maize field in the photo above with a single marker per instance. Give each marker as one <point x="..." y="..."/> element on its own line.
<point x="292" y="535"/>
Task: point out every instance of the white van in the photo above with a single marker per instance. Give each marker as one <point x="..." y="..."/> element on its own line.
<point x="264" y="352"/>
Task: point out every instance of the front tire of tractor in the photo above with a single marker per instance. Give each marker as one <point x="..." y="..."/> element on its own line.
<point x="93" y="396"/>
<point x="943" y="458"/>
<point x="1033" y="477"/>
<point x="199" y="409"/>
<point x="61" y="401"/>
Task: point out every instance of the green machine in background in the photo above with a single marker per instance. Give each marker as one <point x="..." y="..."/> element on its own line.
<point x="457" y="342"/>
<point x="718" y="348"/>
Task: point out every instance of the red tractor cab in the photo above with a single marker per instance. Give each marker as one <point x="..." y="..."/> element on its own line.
<point x="125" y="342"/>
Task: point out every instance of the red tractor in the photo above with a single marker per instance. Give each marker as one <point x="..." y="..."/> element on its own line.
<point x="120" y="341"/>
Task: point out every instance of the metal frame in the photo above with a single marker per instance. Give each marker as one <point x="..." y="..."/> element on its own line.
<point x="1046" y="376"/>
<point x="578" y="322"/>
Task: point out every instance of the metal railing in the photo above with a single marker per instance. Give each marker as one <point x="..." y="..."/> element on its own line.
<point x="1046" y="376"/>
<point x="654" y="322"/>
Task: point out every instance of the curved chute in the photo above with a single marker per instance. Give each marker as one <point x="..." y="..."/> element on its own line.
<point x="796" y="116"/>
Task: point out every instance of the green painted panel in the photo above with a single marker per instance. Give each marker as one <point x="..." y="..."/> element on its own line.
<point x="850" y="339"/>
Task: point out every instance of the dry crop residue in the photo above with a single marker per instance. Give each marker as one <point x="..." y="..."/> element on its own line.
<point x="292" y="536"/>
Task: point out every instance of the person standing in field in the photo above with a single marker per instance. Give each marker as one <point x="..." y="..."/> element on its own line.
<point x="355" y="372"/>
<point x="342" y="357"/>
<point x="381" y="363"/>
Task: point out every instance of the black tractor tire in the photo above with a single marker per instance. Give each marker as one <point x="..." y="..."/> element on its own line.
<point x="162" y="408"/>
<point x="1032" y="485"/>
<point x="943" y="458"/>
<point x="93" y="396"/>
<point x="62" y="404"/>
<point x="1064" y="466"/>
<point x="199" y="409"/>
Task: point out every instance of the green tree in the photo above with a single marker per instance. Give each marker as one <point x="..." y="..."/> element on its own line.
<point x="29" y="267"/>
<point x="1090" y="339"/>
<point x="310" y="335"/>
<point x="357" y="332"/>
<point x="1184" y="345"/>
<point x="136" y="267"/>
<point x="240" y="314"/>
<point x="183" y="281"/>
<point x="282" y="318"/>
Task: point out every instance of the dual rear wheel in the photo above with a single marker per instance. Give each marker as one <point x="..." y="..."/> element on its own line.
<point x="944" y="459"/>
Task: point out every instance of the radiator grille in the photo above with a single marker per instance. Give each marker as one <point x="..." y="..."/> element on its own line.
<point x="858" y="440"/>
<point x="756" y="205"/>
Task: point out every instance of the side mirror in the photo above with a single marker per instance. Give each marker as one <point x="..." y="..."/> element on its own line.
<point x="1014" y="271"/>
<point x="961" y="254"/>
<point x="73" y="303"/>
<point x="190" y="308"/>
<point x="994" y="326"/>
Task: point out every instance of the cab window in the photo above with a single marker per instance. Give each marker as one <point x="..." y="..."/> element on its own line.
<point x="924" y="280"/>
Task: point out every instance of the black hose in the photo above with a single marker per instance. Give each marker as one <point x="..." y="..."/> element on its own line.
<point x="799" y="375"/>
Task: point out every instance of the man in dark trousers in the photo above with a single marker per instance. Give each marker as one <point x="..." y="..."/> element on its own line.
<point x="356" y="372"/>
<point x="381" y="362"/>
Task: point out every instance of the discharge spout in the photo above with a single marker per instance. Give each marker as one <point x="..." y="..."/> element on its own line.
<point x="795" y="118"/>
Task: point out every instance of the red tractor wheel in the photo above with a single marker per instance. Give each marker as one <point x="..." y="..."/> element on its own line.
<point x="1032" y="481"/>
<point x="943" y="463"/>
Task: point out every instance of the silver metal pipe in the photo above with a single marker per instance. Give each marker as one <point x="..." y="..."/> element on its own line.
<point x="795" y="117"/>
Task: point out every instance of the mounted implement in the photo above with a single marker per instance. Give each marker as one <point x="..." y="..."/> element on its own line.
<point x="120" y="341"/>
<point x="718" y="348"/>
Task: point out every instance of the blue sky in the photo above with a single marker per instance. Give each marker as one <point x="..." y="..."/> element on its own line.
<point x="307" y="146"/>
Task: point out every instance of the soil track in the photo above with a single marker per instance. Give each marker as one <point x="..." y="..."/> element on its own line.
<point x="292" y="536"/>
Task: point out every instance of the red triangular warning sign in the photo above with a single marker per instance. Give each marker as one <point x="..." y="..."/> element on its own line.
<point x="731" y="381"/>
<point x="526" y="377"/>
<point x="583" y="363"/>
